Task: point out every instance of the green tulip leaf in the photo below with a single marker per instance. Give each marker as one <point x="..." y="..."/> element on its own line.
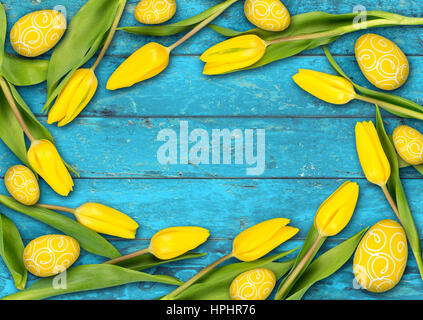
<point x="419" y="168"/>
<point x="22" y="71"/>
<point x="10" y="131"/>
<point x="3" y="29"/>
<point x="308" y="243"/>
<point x="34" y="126"/>
<point x="312" y="29"/>
<point x="17" y="70"/>
<point x="402" y="106"/>
<point x="11" y="251"/>
<point x="148" y="260"/>
<point x="174" y="28"/>
<point x="84" y="37"/>
<point x="215" y="284"/>
<point x="397" y="193"/>
<point x="325" y="265"/>
<point x="86" y="278"/>
<point x="88" y="239"/>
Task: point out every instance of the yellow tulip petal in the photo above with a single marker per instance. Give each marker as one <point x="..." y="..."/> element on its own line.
<point x="261" y="238"/>
<point x="282" y="235"/>
<point x="175" y="241"/>
<point x="336" y="211"/>
<point x="220" y="68"/>
<point x="80" y="100"/>
<point x="105" y="227"/>
<point x="263" y="229"/>
<point x="46" y="161"/>
<point x="107" y="214"/>
<point x="143" y="64"/>
<point x="329" y="88"/>
<point x="73" y="98"/>
<point x="233" y="54"/>
<point x="372" y="157"/>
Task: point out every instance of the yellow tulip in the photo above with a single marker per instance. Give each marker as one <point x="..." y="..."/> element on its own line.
<point x="74" y="96"/>
<point x="103" y="219"/>
<point x="336" y="211"/>
<point x="46" y="161"/>
<point x="233" y="54"/>
<point x="143" y="64"/>
<point x="260" y="239"/>
<point x="373" y="160"/>
<point x="172" y="242"/>
<point x="333" y="215"/>
<point x="249" y="245"/>
<point x="329" y="88"/>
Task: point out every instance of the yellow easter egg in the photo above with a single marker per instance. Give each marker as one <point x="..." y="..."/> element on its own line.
<point x="255" y="284"/>
<point x="381" y="61"/>
<point x="22" y="185"/>
<point x="51" y="254"/>
<point x="155" y="11"/>
<point x="381" y="257"/>
<point x="269" y="15"/>
<point x="37" y="32"/>
<point x="409" y="144"/>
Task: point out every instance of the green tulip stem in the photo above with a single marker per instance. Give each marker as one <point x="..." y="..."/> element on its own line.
<point x="9" y="97"/>
<point x="346" y="29"/>
<point x="391" y="201"/>
<point x="128" y="256"/>
<point x="110" y="35"/>
<point x="181" y="288"/>
<point x="294" y="274"/>
<point x="55" y="208"/>
<point x="201" y="25"/>
<point x="391" y="107"/>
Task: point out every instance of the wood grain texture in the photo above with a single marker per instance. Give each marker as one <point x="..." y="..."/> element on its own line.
<point x="265" y="92"/>
<point x="224" y="206"/>
<point x="127" y="147"/>
<point x="310" y="148"/>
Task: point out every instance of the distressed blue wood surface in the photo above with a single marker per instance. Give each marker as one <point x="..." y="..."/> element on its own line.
<point x="310" y="147"/>
<point x="127" y="147"/>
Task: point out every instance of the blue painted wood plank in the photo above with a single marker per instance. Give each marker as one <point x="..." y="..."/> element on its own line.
<point x="224" y="206"/>
<point x="294" y="147"/>
<point x="113" y="122"/>
<point x="234" y="17"/>
<point x="182" y="90"/>
<point x="338" y="286"/>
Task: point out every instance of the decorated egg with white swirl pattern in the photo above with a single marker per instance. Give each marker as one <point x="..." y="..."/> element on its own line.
<point x="155" y="11"/>
<point x="270" y="15"/>
<point x="22" y="185"/>
<point x="51" y="254"/>
<point x="409" y="144"/>
<point x="381" y="257"/>
<point x="255" y="284"/>
<point x="37" y="32"/>
<point x="381" y="61"/>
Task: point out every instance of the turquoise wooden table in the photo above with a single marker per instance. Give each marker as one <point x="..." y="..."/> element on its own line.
<point x="310" y="146"/>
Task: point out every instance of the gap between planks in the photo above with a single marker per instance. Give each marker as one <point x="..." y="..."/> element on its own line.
<point x="224" y="178"/>
<point x="113" y="116"/>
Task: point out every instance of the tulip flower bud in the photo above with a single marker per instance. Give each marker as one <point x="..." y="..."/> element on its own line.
<point x="335" y="213"/>
<point x="172" y="242"/>
<point x="256" y="241"/>
<point x="373" y="160"/>
<point x="103" y="219"/>
<point x="46" y="161"/>
<point x="143" y="64"/>
<point x="329" y="88"/>
<point x="233" y="54"/>
<point x="73" y="98"/>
